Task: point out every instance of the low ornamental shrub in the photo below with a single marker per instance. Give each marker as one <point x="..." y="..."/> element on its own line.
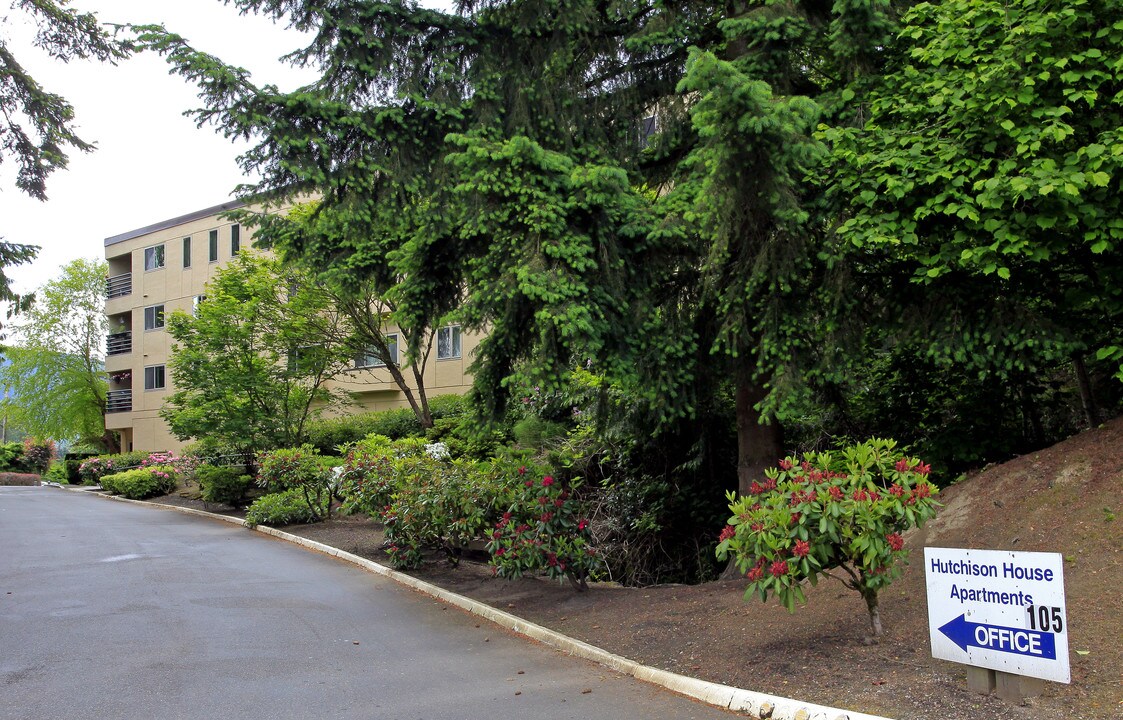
<point x="38" y="454"/>
<point x="367" y="480"/>
<point x="141" y="483"/>
<point x="284" y="508"/>
<point x="11" y="457"/>
<point x="13" y="478"/>
<point x="57" y="473"/>
<point x="543" y="530"/>
<point x="841" y="510"/>
<point x="301" y="469"/>
<point x="223" y="485"/>
<point x="439" y="506"/>
<point x="92" y="470"/>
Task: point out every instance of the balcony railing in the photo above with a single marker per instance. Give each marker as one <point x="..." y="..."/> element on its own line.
<point x="119" y="285"/>
<point x="119" y="401"/>
<point x="119" y="343"/>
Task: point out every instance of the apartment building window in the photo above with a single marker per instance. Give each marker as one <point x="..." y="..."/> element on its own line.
<point x="448" y="342"/>
<point x="154" y="377"/>
<point x="235" y="239"/>
<point x="154" y="257"/>
<point x="154" y="317"/>
<point x="213" y="245"/>
<point x="367" y="358"/>
<point x="186" y="252"/>
<point x="195" y="303"/>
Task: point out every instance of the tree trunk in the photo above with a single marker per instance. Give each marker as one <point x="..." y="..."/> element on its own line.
<point x="870" y="597"/>
<point x="758" y="446"/>
<point x="1087" y="399"/>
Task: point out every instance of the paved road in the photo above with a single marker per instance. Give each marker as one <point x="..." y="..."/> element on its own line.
<point x="111" y="610"/>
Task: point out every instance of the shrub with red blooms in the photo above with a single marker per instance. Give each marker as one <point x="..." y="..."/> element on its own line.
<point x="835" y="511"/>
<point x="543" y="531"/>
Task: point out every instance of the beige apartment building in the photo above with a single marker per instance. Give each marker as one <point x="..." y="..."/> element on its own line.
<point x="163" y="267"/>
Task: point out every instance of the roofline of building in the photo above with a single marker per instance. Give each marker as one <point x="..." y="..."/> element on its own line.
<point x="181" y="220"/>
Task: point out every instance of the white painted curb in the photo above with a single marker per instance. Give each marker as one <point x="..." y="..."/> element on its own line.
<point x="759" y="705"/>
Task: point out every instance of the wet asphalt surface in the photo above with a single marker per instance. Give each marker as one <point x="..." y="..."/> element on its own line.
<point x="112" y="610"/>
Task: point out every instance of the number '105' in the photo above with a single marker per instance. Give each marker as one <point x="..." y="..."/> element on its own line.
<point x="1045" y="619"/>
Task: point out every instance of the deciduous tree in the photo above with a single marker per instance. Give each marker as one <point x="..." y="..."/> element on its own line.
<point x="56" y="372"/>
<point x="249" y="368"/>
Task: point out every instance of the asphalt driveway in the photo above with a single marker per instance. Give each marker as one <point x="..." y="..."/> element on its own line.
<point x="112" y="610"/>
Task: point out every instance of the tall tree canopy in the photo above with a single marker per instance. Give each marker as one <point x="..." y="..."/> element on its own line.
<point x="55" y="375"/>
<point x="495" y="161"/>
<point x="36" y="125"/>
<point x="988" y="173"/>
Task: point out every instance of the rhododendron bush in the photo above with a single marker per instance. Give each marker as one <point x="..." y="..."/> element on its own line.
<point x="838" y="513"/>
<point x="544" y="530"/>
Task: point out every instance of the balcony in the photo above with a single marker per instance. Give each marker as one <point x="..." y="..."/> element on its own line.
<point x="119" y="285"/>
<point x="119" y="401"/>
<point x="119" y="343"/>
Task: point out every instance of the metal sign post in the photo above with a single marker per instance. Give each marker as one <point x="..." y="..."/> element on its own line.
<point x="1002" y="611"/>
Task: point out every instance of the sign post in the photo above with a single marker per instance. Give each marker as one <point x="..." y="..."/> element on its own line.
<point x="1003" y="611"/>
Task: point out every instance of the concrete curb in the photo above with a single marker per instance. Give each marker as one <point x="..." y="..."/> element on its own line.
<point x="759" y="705"/>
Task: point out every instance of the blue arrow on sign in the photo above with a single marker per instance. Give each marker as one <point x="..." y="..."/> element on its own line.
<point x="1019" y="641"/>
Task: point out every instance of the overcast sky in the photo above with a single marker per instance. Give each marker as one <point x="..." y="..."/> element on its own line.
<point x="151" y="162"/>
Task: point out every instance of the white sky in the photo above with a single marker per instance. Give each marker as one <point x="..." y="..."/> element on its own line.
<point x="151" y="163"/>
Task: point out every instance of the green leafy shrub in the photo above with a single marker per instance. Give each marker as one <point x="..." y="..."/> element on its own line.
<point x="440" y="505"/>
<point x="535" y="433"/>
<point x="11" y="478"/>
<point x="57" y="473"/>
<point x="73" y="460"/>
<point x="328" y="435"/>
<point x="141" y="483"/>
<point x="38" y="453"/>
<point x="300" y="469"/>
<point x="92" y="470"/>
<point x="284" y="508"/>
<point x="367" y="481"/>
<point x="223" y="485"/>
<point x="543" y="530"/>
<point x="11" y="457"/>
<point x="841" y="510"/>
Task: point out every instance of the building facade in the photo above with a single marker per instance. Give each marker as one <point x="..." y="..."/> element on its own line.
<point x="166" y="266"/>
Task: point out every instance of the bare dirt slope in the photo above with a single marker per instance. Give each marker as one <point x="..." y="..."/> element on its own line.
<point x="1062" y="499"/>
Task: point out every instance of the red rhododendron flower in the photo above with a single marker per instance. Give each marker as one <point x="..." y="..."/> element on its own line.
<point x="836" y="492"/>
<point x="779" y="568"/>
<point x="756" y="488"/>
<point x="522" y="470"/>
<point x="559" y="502"/>
<point x="860" y="494"/>
<point x="547" y="481"/>
<point x="500" y="552"/>
<point x="757" y="527"/>
<point x="755" y="574"/>
<point x="896" y="542"/>
<point x="923" y="469"/>
<point x="785" y="464"/>
<point x="727" y="532"/>
<point x="802" y="547"/>
<point x="922" y="490"/>
<point x="896" y="490"/>
<point x="582" y="524"/>
<point x="528" y="483"/>
<point x="902" y="465"/>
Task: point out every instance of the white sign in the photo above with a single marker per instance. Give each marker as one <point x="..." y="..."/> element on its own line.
<point x="999" y="610"/>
